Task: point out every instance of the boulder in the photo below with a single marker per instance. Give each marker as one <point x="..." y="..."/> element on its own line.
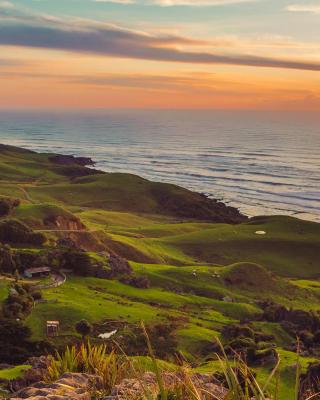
<point x="71" y="160"/>
<point x="207" y="386"/>
<point x="119" y="266"/>
<point x="71" y="386"/>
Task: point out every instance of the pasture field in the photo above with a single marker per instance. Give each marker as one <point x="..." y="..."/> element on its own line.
<point x="206" y="265"/>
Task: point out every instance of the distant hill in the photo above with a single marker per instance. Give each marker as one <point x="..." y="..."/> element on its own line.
<point x="66" y="181"/>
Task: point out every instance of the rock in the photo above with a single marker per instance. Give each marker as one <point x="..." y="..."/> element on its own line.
<point x="33" y="375"/>
<point x="5" y="366"/>
<point x="104" y="273"/>
<point x="119" y="266"/>
<point x="71" y="160"/>
<point x="64" y="223"/>
<point x="71" y="386"/>
<point x="206" y="385"/>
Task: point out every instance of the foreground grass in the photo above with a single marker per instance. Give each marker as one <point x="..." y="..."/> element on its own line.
<point x="3" y="289"/>
<point x="13" y="373"/>
<point x="280" y="382"/>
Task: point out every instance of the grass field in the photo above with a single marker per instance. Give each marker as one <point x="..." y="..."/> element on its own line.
<point x="3" y="289"/>
<point x="204" y="274"/>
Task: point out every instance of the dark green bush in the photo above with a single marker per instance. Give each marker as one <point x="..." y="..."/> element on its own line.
<point x="37" y="295"/>
<point x="84" y="328"/>
<point x="79" y="261"/>
<point x="5" y="208"/>
<point x="7" y="260"/>
<point x="18" y="304"/>
<point x="16" y="346"/>
<point x="162" y="336"/>
<point x="14" y="231"/>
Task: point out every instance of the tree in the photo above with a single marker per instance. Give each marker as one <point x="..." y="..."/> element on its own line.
<point x="14" y="338"/>
<point x="84" y="328"/>
<point x="5" y="207"/>
<point x="16" y="276"/>
<point x="14" y="231"/>
<point x="7" y="262"/>
<point x="79" y="262"/>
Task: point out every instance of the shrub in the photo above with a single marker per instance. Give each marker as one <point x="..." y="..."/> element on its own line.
<point x="5" y="207"/>
<point x="310" y="381"/>
<point x="37" y="295"/>
<point x="163" y="337"/>
<point x="13" y="231"/>
<point x="119" y="266"/>
<point x="79" y="261"/>
<point x="140" y="282"/>
<point x="7" y="260"/>
<point x="84" y="328"/>
<point x="13" y="338"/>
<point x="110" y="367"/>
<point x="236" y="331"/>
<point x="18" y="304"/>
<point x="242" y="343"/>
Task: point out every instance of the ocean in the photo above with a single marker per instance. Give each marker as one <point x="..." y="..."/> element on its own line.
<point x="260" y="162"/>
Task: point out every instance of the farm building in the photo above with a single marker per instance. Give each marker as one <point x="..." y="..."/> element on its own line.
<point x="37" y="272"/>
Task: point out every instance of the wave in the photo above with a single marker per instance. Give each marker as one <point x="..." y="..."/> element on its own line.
<point x="239" y="158"/>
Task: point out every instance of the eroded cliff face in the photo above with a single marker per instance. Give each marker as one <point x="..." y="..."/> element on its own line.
<point x="64" y="223"/>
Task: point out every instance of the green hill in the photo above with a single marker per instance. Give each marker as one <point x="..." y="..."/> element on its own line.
<point x="42" y="180"/>
<point x="195" y="265"/>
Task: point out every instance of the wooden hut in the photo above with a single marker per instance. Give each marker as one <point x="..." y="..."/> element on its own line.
<point x="53" y="328"/>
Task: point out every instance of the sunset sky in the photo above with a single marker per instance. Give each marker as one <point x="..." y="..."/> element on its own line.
<point x="225" y="54"/>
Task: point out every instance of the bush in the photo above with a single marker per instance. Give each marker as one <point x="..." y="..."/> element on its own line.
<point x="13" y="338"/>
<point x="310" y="381"/>
<point x="242" y="343"/>
<point x="162" y="336"/>
<point x="93" y="360"/>
<point x="84" y="328"/>
<point x="306" y="337"/>
<point x="13" y="231"/>
<point x="7" y="260"/>
<point x="236" y="331"/>
<point x="36" y="295"/>
<point x="16" y="346"/>
<point x="78" y="261"/>
<point x="5" y="208"/>
<point x="18" y="304"/>
<point x="119" y="266"/>
<point x="140" y="282"/>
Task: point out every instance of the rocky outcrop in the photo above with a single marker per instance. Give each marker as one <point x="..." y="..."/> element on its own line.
<point x="85" y="240"/>
<point x="186" y="204"/>
<point x="64" y="223"/>
<point x="207" y="387"/>
<point x="119" y="265"/>
<point x="71" y="386"/>
<point x="80" y="386"/>
<point x="71" y="160"/>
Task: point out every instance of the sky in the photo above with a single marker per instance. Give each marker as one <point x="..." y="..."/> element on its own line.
<point x="219" y="54"/>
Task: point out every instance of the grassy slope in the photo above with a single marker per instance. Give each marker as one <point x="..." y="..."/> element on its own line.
<point x="289" y="248"/>
<point x="124" y="212"/>
<point x="3" y="289"/>
<point x="13" y="373"/>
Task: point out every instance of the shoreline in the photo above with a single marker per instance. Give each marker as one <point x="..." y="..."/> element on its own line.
<point x="249" y="210"/>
